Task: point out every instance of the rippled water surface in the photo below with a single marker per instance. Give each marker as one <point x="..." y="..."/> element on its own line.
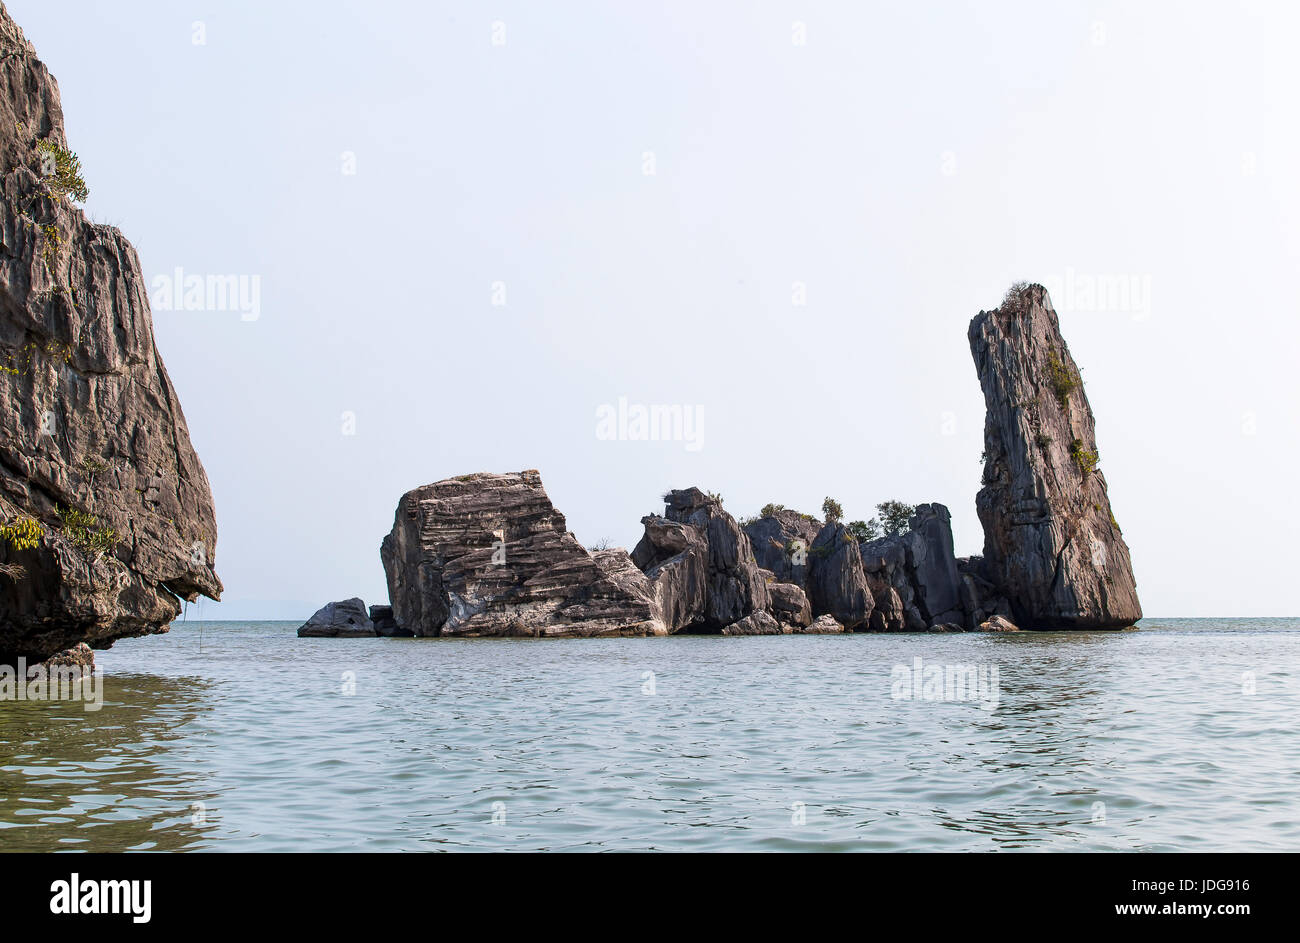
<point x="240" y="736"/>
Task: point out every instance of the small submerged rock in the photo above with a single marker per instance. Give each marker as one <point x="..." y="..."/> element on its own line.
<point x="998" y="624"/>
<point x="824" y="625"/>
<point x="80" y="656"/>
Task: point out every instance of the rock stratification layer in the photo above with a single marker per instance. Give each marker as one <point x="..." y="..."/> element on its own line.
<point x="1051" y="544"/>
<point x="489" y="555"/>
<point x="108" y="511"/>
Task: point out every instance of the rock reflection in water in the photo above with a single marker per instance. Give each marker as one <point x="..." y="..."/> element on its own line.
<point x="78" y="780"/>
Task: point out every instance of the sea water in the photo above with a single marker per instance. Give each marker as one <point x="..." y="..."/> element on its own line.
<point x="1180" y="735"/>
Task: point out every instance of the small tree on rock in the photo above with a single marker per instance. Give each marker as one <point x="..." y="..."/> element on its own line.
<point x="865" y="531"/>
<point x="894" y="517"/>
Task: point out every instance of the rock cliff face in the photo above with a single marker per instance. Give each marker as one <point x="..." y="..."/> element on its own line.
<point x="489" y="555"/>
<point x="1051" y="544"/>
<point x="837" y="584"/>
<point x="701" y="564"/>
<point x="107" y="510"/>
<point x="777" y="540"/>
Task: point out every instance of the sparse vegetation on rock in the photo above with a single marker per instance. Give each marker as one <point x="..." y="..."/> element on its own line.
<point x="25" y="533"/>
<point x="894" y="517"/>
<point x="1061" y="378"/>
<point x="61" y="170"/>
<point x="85" y="532"/>
<point x="1083" y="457"/>
<point x="865" y="530"/>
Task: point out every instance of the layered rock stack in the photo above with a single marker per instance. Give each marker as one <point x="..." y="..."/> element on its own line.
<point x="489" y="555"/>
<point x="1051" y="544"/>
<point x="106" y="511"/>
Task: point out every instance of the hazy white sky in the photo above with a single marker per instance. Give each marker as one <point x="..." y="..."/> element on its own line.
<point x="893" y="166"/>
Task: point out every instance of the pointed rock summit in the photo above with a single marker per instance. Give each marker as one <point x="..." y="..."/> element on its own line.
<point x="1051" y="543"/>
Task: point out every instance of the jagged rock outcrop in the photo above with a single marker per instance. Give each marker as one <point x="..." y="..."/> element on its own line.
<point x="89" y="421"/>
<point x="824" y="625"/>
<point x="980" y="598"/>
<point x="675" y="559"/>
<point x="1051" y="544"/>
<point x="344" y="619"/>
<point x="756" y="623"/>
<point x="781" y="541"/>
<point x="884" y="562"/>
<point x="837" y="584"/>
<point x="489" y="555"/>
<point x="734" y="586"/>
<point x="789" y="604"/>
<point x="889" y="614"/>
<point x="914" y="575"/>
<point x="934" y="567"/>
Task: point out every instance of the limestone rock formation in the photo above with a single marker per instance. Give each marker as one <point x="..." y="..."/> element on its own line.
<point x="980" y="598"/>
<point x="386" y="625"/>
<point x="837" y="584"/>
<point x="345" y="619"/>
<point x="789" y="604"/>
<point x="914" y="575"/>
<point x="675" y="559"/>
<point x="1051" y="543"/>
<point x="756" y="623"/>
<point x="781" y="541"/>
<point x="934" y="568"/>
<point x="489" y="555"/>
<point x="734" y="585"/>
<point x="824" y="625"/>
<point x="108" y="514"/>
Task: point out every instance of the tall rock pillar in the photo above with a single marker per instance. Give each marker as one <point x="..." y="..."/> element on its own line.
<point x="1051" y="543"/>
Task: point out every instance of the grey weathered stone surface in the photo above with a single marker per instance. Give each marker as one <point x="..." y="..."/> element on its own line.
<point x="756" y="623"/>
<point x="837" y="584"/>
<point x="781" y="542"/>
<point x="489" y="555"/>
<point x="344" y="619"/>
<point x="789" y="604"/>
<point x="886" y="562"/>
<point x="385" y="624"/>
<point x="824" y="625"/>
<point x="88" y="416"/>
<point x="980" y="598"/>
<point x="1051" y="544"/>
<point x="675" y="559"/>
<point x="734" y="584"/>
<point x="888" y="614"/>
<point x="934" y="568"/>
